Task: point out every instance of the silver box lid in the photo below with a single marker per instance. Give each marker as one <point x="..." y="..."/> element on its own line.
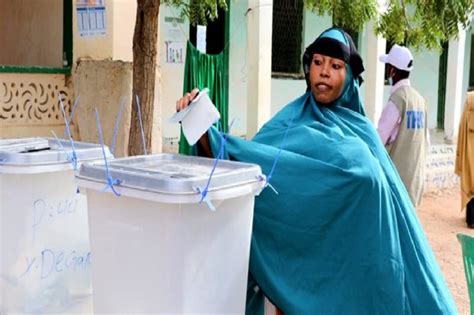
<point x="46" y="151"/>
<point x="172" y="173"/>
<point x="23" y="144"/>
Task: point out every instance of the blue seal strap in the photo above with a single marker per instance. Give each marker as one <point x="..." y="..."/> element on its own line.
<point x="68" y="128"/>
<point x="111" y="182"/>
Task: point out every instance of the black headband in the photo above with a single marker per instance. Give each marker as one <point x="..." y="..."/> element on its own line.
<point x="330" y="47"/>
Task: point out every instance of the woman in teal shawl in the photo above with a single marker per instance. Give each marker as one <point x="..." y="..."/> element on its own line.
<point x="341" y="236"/>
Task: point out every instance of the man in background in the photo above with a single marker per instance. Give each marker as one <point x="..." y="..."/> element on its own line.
<point x="403" y="125"/>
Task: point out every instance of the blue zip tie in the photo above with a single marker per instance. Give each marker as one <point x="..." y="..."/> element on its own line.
<point x="111" y="182"/>
<point x="117" y="121"/>
<point x="68" y="128"/>
<point x="277" y="157"/>
<point x="141" y="124"/>
<point x="76" y="102"/>
<point x="70" y="158"/>
<point x="220" y="155"/>
<point x="205" y="199"/>
<point x="267" y="184"/>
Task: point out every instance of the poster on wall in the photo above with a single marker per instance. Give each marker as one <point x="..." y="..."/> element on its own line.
<point x="175" y="39"/>
<point x="91" y="20"/>
<point x="201" y="38"/>
<point x="175" y="52"/>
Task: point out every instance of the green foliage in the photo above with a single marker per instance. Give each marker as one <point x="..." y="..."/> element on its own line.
<point x="418" y="23"/>
<point x="424" y="23"/>
<point x="198" y="11"/>
<point x="348" y="14"/>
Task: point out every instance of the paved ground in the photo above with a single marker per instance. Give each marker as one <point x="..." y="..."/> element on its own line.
<point x="442" y="219"/>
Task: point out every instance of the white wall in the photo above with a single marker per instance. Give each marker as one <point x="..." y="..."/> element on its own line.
<point x="172" y="74"/>
<point x="238" y="66"/>
<point x="425" y="77"/>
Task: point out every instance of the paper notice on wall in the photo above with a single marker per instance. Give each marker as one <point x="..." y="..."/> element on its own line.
<point x="91" y="20"/>
<point x="175" y="52"/>
<point x="174" y="29"/>
<point x="201" y="38"/>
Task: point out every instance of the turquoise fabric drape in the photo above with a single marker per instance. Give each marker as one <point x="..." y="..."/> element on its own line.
<point x="341" y="236"/>
<point x="202" y="70"/>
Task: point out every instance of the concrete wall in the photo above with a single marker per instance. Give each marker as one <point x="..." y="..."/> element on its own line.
<point x="124" y="12"/>
<point x="101" y="84"/>
<point x="31" y="33"/>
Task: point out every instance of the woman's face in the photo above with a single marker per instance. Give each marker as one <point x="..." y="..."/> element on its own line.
<point x="326" y="77"/>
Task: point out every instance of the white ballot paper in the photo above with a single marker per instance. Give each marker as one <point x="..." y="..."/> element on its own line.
<point x="198" y="117"/>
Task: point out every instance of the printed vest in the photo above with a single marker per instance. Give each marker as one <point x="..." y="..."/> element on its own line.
<point x="409" y="150"/>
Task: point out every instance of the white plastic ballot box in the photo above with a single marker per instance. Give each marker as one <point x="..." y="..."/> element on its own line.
<point x="44" y="240"/>
<point x="156" y="247"/>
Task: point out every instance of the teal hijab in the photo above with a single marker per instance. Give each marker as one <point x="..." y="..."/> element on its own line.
<point x="341" y="236"/>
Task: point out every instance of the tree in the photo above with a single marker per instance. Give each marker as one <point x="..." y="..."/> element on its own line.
<point x="417" y="23"/>
<point x="145" y="40"/>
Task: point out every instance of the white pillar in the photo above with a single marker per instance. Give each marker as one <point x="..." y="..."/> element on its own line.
<point x="454" y="86"/>
<point x="374" y="74"/>
<point x="259" y="43"/>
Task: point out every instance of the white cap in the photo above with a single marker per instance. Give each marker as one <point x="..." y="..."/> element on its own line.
<point x="399" y="57"/>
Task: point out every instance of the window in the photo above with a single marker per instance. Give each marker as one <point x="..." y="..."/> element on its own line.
<point x="287" y="38"/>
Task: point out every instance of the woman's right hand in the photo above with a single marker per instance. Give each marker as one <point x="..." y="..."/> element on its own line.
<point x="203" y="143"/>
<point x="184" y="101"/>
